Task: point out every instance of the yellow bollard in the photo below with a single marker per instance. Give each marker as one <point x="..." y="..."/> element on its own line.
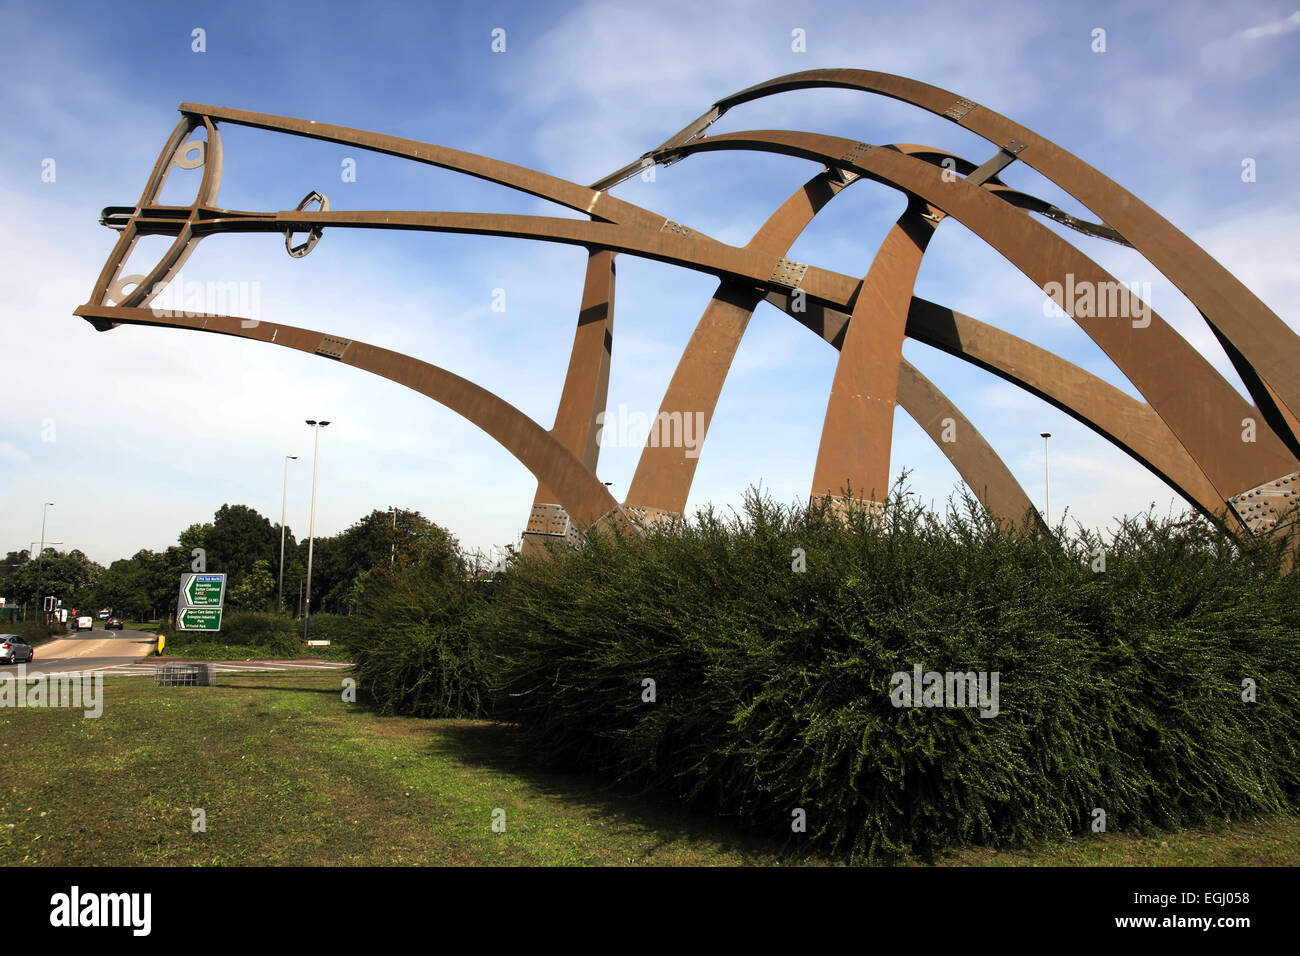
<point x="162" y="641"/>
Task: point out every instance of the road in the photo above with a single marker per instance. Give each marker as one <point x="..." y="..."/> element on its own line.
<point x="96" y="649"/>
<point x="124" y="653"/>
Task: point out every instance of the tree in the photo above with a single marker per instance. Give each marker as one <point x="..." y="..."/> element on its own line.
<point x="381" y="538"/>
<point x="255" y="590"/>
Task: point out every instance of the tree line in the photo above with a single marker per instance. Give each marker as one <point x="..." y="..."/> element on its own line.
<point x="245" y="546"/>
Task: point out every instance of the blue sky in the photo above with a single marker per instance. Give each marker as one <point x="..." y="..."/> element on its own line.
<point x="138" y="432"/>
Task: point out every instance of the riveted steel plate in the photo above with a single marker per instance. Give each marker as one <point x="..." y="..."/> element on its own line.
<point x="330" y="347"/>
<point x="788" y="273"/>
<point x="959" y="109"/>
<point x="852" y="156"/>
<point x="1262" y="507"/>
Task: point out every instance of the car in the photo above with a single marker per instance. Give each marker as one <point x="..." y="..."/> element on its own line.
<point x="14" y="650"/>
<point x="105" y="614"/>
<point x="113" y="622"/>
<point x="85" y="623"/>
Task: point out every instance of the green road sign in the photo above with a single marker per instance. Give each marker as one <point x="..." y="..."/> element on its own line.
<point x="203" y="590"/>
<point x="198" y="619"/>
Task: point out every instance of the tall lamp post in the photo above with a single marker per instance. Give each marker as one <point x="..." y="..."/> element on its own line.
<point x="40" y="558"/>
<point x="284" y="499"/>
<point x="1047" y="476"/>
<point x="311" y="531"/>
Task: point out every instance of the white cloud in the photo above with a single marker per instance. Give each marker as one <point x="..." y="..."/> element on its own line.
<point x="1273" y="28"/>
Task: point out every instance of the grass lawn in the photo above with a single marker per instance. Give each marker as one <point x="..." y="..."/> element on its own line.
<point x="209" y="651"/>
<point x="289" y="774"/>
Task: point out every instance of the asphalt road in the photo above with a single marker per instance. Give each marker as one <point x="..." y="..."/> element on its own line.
<point x="127" y="653"/>
<point x="86" y="651"/>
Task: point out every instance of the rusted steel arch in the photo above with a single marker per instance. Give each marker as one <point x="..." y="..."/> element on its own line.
<point x="584" y="497"/>
<point x="595" y="203"/>
<point x="983" y="470"/>
<point x="486" y="224"/>
<point x="1197" y="403"/>
<point x="582" y="399"/>
<point x="1264" y="350"/>
<point x="1124" y="421"/>
<point x="1021" y="200"/>
<point x="516" y="177"/>
<point x="663" y="476"/>
<point x="675" y="245"/>
<point x="857" y="433"/>
<point x="642" y="233"/>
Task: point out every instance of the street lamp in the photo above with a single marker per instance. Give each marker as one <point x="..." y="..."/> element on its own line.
<point x="284" y="498"/>
<point x="1047" y="476"/>
<point x="311" y="531"/>
<point x="40" y="560"/>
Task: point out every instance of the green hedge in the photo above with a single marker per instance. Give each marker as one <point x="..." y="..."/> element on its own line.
<point x="273" y="635"/>
<point x="1119" y="690"/>
<point x="416" y="643"/>
<point x="33" y="632"/>
<point x="335" y="628"/>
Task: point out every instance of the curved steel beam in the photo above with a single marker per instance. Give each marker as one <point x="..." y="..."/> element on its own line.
<point x="583" y="398"/>
<point x="1199" y="406"/>
<point x="663" y="477"/>
<point x="858" y="430"/>
<point x="585" y="499"/>
<point x="1130" y="425"/>
<point x="820" y="287"/>
<point x="1265" y="351"/>
<point x="595" y="203"/>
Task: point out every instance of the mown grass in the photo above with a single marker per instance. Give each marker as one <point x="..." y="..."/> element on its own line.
<point x="289" y="774"/>
<point x="209" y="651"/>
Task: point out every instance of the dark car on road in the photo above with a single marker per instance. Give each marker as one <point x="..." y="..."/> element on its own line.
<point x="113" y="622"/>
<point x="14" y="650"/>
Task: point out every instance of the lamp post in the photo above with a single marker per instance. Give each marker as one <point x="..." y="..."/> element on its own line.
<point x="311" y="531"/>
<point x="1047" y="476"/>
<point x="284" y="499"/>
<point x="40" y="558"/>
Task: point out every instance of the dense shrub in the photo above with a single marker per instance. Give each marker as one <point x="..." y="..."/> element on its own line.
<point x="416" y="641"/>
<point x="275" y="635"/>
<point x="33" y="632"/>
<point x="1119" y="689"/>
<point x="335" y="628"/>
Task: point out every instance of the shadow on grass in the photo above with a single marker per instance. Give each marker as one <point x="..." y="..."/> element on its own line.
<point x="496" y="747"/>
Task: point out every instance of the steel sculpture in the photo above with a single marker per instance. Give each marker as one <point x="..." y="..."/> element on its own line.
<point x="1233" y="459"/>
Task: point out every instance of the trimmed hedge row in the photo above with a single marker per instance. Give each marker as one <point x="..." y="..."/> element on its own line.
<point x="416" y="643"/>
<point x="1120" y="690"/>
<point x="273" y="634"/>
<point x="33" y="632"/>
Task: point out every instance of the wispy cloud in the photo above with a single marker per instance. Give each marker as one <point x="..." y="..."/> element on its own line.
<point x="1273" y="28"/>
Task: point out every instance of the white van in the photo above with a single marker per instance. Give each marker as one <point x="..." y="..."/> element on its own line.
<point x="85" y="623"/>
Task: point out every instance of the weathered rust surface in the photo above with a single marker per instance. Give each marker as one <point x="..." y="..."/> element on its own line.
<point x="1267" y="351"/>
<point x="1190" y="431"/>
<point x="583" y="497"/>
<point x="586" y="385"/>
<point x="859" y="426"/>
